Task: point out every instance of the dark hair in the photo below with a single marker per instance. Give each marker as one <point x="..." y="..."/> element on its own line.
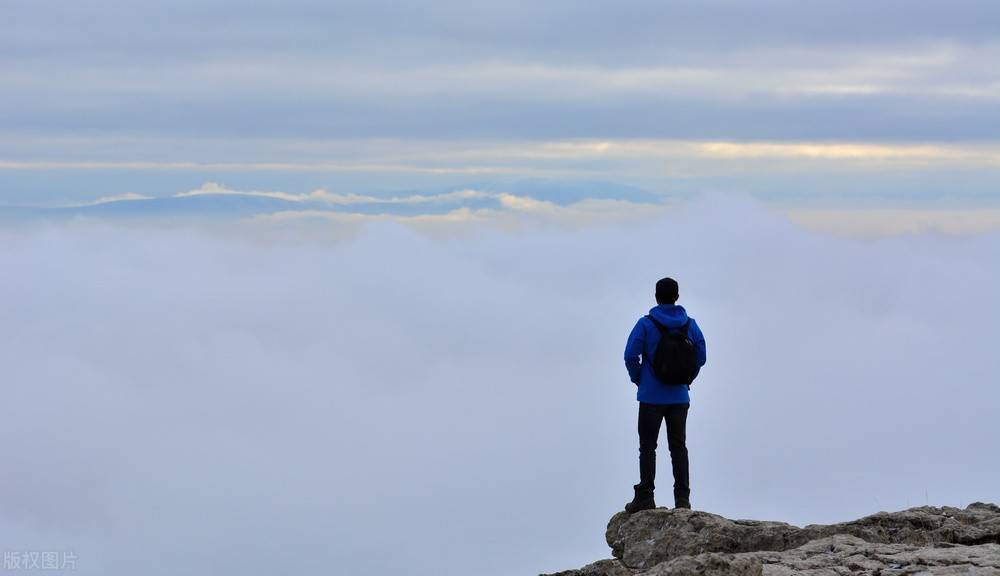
<point x="666" y="291"/>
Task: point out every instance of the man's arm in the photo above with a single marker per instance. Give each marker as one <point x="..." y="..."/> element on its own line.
<point x="633" y="348"/>
<point x="698" y="339"/>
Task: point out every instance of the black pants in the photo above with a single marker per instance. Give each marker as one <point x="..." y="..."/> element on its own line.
<point x="650" y="416"/>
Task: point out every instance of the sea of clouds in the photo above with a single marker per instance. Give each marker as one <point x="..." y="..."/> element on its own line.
<point x="185" y="400"/>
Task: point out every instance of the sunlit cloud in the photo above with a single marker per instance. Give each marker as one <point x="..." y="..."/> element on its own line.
<point x="848" y="151"/>
<point x="530" y="157"/>
<point x="215" y="189"/>
<point x="512" y="210"/>
<point x="126" y="197"/>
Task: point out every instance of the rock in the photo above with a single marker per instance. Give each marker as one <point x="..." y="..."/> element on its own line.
<point x="612" y="567"/>
<point x="710" y="564"/>
<point x="924" y="540"/>
<point x="845" y="554"/>
<point x="647" y="538"/>
<point x="978" y="523"/>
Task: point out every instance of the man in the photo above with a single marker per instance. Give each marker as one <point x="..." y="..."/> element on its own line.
<point x="659" y="401"/>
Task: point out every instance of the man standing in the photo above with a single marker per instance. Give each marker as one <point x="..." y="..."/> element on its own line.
<point x="683" y="345"/>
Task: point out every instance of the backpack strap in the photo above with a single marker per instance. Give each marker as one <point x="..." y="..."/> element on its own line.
<point x="662" y="329"/>
<point x="686" y="327"/>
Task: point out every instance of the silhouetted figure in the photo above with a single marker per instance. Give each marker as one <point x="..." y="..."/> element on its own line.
<point x="672" y="351"/>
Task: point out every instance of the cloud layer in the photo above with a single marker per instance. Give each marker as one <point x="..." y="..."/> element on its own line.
<point x="778" y="70"/>
<point x="462" y="211"/>
<point x="182" y="399"/>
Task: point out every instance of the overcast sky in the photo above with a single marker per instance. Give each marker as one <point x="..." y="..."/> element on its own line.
<point x="442" y="69"/>
<point x="366" y="97"/>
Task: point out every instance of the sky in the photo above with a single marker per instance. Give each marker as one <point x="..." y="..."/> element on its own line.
<point x="344" y="287"/>
<point x="832" y="105"/>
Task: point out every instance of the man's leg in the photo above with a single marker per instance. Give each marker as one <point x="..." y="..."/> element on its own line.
<point x="676" y="415"/>
<point x="649" y="429"/>
<point x="650" y="416"/>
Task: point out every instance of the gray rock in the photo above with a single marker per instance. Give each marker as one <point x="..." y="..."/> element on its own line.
<point x="978" y="523"/>
<point x="710" y="564"/>
<point x="612" y="567"/>
<point x="845" y="554"/>
<point x="924" y="540"/>
<point x="647" y="538"/>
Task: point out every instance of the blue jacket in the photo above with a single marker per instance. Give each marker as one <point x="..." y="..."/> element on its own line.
<point x="642" y="342"/>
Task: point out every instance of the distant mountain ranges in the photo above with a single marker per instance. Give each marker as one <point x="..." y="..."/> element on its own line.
<point x="215" y="201"/>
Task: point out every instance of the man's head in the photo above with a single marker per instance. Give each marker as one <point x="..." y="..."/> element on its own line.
<point x="667" y="291"/>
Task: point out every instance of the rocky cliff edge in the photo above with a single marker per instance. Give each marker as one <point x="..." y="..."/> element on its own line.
<point x="924" y="540"/>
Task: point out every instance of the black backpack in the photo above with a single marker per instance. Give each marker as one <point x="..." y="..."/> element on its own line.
<point x="675" y="360"/>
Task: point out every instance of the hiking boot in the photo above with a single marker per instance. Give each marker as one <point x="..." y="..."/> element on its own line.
<point x="682" y="498"/>
<point x="643" y="500"/>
